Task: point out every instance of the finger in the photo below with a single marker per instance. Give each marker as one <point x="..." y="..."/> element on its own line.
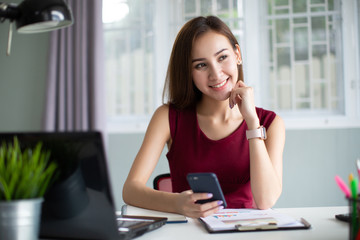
<point x="241" y="84"/>
<point x="207" y="209"/>
<point x="201" y="196"/>
<point x="188" y="192"/>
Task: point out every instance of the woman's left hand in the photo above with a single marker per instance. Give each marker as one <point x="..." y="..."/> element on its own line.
<point x="243" y="96"/>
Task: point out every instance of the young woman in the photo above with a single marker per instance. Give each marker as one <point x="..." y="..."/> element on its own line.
<point x="210" y="124"/>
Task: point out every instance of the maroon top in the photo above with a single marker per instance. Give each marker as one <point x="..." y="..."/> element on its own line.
<point x="192" y="151"/>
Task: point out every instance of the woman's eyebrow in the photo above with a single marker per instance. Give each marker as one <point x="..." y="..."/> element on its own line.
<point x="202" y="59"/>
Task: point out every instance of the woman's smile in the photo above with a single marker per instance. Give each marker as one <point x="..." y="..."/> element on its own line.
<point x="220" y="85"/>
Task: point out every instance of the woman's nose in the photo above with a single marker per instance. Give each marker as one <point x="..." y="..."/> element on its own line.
<point x="215" y="72"/>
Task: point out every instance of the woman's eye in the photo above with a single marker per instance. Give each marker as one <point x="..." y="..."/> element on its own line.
<point x="223" y="57"/>
<point x="200" y="65"/>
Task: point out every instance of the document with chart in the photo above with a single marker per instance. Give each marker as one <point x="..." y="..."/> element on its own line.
<point x="251" y="220"/>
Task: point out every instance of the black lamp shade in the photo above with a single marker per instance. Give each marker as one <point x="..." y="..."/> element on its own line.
<point x="43" y="15"/>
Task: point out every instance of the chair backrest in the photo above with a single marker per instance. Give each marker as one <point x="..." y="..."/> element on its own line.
<point x="162" y="182"/>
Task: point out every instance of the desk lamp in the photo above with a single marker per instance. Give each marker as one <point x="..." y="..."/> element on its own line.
<point x="35" y="16"/>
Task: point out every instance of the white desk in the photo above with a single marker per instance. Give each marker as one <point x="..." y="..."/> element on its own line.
<point x="322" y="220"/>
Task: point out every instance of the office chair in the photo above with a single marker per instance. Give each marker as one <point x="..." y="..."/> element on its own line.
<point x="162" y="182"/>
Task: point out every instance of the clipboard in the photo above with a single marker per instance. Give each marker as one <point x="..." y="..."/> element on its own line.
<point x="269" y="220"/>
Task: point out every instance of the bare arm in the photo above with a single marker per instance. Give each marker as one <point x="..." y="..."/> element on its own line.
<point x="266" y="165"/>
<point x="135" y="191"/>
<point x="265" y="156"/>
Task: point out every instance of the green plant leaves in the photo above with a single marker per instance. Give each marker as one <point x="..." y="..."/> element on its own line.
<point x="24" y="174"/>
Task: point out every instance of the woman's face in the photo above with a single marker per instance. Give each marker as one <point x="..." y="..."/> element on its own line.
<point x="214" y="65"/>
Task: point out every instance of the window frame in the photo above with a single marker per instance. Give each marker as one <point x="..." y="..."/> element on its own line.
<point x="254" y="72"/>
<point x="254" y="28"/>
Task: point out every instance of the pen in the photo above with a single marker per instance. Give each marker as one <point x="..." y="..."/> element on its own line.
<point x="342" y="185"/>
<point x="358" y="166"/>
<point x="354" y="188"/>
<point x="354" y="197"/>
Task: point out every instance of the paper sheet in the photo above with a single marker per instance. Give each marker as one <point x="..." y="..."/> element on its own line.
<point x="227" y="219"/>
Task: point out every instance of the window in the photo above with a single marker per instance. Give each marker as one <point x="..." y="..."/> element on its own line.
<point x="302" y="56"/>
<point x="129" y="56"/>
<point x="306" y="58"/>
<point x="138" y="40"/>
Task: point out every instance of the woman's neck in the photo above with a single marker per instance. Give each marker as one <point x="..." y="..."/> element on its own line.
<point x="216" y="109"/>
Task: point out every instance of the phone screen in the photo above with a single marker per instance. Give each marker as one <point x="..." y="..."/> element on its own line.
<point x="206" y="183"/>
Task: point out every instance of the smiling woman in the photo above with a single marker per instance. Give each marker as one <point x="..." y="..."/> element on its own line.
<point x="205" y="132"/>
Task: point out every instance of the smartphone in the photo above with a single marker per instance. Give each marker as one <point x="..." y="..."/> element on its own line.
<point x="206" y="183"/>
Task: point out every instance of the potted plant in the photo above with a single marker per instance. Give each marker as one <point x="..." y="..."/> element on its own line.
<point x="25" y="175"/>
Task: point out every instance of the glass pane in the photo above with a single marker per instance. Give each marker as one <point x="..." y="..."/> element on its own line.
<point x="283" y="64"/>
<point x="239" y="8"/>
<point x="320" y="96"/>
<point x="189" y="6"/>
<point x="317" y="1"/>
<point x="302" y="81"/>
<point x="332" y="76"/>
<point x="271" y="59"/>
<point x="319" y="61"/>
<point x="332" y="41"/>
<point x="318" y="28"/>
<point x="272" y="82"/>
<point x="299" y="6"/>
<point x="303" y="105"/>
<point x="301" y="43"/>
<point x="222" y="5"/>
<point x="282" y="31"/>
<point x="282" y="11"/>
<point x="281" y="2"/>
<point x="331" y="5"/>
<point x="114" y="10"/>
<point x="300" y="20"/>
<point x="284" y="97"/>
<point x="317" y="9"/>
<point x="269" y="9"/>
<point x="206" y="7"/>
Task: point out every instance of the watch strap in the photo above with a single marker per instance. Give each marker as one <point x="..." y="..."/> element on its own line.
<point x="256" y="133"/>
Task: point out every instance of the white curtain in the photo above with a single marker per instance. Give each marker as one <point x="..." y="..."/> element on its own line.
<point x="75" y="88"/>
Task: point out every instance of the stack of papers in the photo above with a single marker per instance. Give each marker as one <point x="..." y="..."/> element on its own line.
<point x="250" y="219"/>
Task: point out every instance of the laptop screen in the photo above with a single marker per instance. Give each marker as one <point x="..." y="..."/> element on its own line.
<point x="79" y="204"/>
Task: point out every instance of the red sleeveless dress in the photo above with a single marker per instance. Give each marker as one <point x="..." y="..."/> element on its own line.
<point x="192" y="151"/>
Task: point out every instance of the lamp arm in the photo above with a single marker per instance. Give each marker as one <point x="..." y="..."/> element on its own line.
<point x="8" y="11"/>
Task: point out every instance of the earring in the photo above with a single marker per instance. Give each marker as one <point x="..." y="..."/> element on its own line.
<point x="239" y="62"/>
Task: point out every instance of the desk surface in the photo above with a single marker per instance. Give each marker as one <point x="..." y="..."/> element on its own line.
<point x="322" y="220"/>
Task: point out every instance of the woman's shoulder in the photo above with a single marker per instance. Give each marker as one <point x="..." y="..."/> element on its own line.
<point x="266" y="117"/>
<point x="162" y="111"/>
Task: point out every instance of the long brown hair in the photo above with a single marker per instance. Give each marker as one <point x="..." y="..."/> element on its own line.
<point x="179" y="86"/>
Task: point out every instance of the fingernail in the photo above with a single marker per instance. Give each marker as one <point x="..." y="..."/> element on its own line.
<point x="220" y="202"/>
<point x="210" y="195"/>
<point x="221" y="207"/>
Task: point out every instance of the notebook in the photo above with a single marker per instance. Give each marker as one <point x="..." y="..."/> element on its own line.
<point x="136" y="211"/>
<point x="79" y="205"/>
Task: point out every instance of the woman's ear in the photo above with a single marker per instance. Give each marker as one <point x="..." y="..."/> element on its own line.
<point x="238" y="54"/>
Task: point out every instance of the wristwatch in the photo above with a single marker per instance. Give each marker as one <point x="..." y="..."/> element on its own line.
<point x="256" y="133"/>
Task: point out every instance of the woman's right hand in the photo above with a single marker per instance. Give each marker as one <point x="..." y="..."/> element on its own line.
<point x="186" y="204"/>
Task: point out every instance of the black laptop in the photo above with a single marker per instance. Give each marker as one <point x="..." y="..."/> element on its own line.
<point x="79" y="205"/>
